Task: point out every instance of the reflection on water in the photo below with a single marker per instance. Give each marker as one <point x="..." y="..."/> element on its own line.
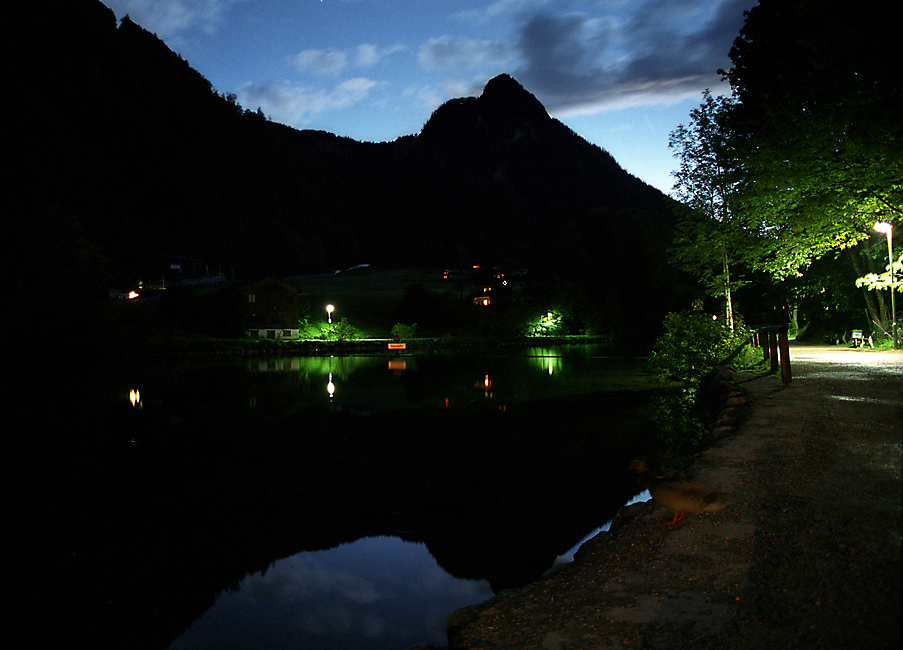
<point x="444" y="381"/>
<point x="568" y="556"/>
<point x="377" y="592"/>
<point x="237" y="500"/>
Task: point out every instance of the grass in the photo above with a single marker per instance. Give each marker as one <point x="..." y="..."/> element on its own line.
<point x="370" y="299"/>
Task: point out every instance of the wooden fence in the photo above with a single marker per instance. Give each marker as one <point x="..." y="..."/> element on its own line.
<point x="775" y="348"/>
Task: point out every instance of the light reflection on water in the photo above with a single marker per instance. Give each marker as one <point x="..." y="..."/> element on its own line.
<point x="377" y="592"/>
<point x="366" y="383"/>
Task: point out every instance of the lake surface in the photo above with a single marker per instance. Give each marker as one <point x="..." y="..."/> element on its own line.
<point x="334" y="502"/>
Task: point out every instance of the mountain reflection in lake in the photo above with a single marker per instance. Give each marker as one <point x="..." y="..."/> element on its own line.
<point x="319" y="502"/>
<point x="371" y="593"/>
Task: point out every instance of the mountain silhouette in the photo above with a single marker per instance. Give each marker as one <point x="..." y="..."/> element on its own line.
<point x="117" y="138"/>
<point x="488" y="178"/>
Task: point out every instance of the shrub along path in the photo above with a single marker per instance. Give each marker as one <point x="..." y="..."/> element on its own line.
<point x="807" y="553"/>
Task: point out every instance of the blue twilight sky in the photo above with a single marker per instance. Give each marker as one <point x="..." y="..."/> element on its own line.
<point x="621" y="73"/>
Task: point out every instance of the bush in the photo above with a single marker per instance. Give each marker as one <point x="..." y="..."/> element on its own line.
<point x="678" y="424"/>
<point x="308" y="330"/>
<point x="341" y="331"/>
<point x="692" y="344"/>
<point x="403" y="331"/>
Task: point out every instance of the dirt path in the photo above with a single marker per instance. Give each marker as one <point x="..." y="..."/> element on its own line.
<point x="807" y="554"/>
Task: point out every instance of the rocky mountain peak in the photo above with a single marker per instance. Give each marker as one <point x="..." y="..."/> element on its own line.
<point x="503" y="114"/>
<point x="504" y="94"/>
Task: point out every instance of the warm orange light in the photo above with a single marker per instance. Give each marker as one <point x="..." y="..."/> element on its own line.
<point x="133" y="294"/>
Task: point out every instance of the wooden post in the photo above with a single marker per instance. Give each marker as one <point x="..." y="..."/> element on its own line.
<point x="763" y="343"/>
<point x="785" y="357"/>
<point x="773" y="349"/>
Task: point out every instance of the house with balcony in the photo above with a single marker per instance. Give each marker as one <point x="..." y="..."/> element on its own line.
<point x="270" y="310"/>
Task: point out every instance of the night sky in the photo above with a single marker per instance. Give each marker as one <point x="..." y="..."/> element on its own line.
<point x="621" y="73"/>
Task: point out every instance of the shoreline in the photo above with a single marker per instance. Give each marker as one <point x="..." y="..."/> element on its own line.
<point x="776" y="567"/>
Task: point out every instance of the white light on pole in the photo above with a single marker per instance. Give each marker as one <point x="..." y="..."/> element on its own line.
<point x="888" y="229"/>
<point x="329" y="310"/>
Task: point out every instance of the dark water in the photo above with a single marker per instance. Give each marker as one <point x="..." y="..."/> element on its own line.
<point x="316" y="502"/>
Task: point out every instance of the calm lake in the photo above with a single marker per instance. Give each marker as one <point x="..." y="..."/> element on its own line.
<point x="321" y="502"/>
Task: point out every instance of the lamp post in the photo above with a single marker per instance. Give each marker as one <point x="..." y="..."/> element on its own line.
<point x="329" y="309"/>
<point x="888" y="230"/>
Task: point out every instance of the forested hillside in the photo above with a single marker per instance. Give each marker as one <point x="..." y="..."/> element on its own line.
<point x="120" y="144"/>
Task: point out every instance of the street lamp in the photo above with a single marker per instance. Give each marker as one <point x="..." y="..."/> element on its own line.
<point x="888" y="229"/>
<point x="329" y="309"/>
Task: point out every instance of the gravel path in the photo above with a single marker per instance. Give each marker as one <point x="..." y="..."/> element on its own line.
<point x="807" y="553"/>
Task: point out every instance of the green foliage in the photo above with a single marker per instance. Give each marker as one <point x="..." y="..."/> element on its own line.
<point x="882" y="281"/>
<point x="818" y="125"/>
<point x="341" y="331"/>
<point x="714" y="236"/>
<point x="692" y="344"/>
<point x="547" y="324"/>
<point x="678" y="426"/>
<point x="308" y="330"/>
<point x="403" y="331"/>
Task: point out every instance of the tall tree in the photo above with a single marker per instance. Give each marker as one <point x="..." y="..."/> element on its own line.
<point x="820" y="119"/>
<point x="713" y="236"/>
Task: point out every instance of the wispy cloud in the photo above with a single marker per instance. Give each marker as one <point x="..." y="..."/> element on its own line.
<point x="334" y="62"/>
<point x="457" y="53"/>
<point x="369" y="55"/>
<point x="499" y="9"/>
<point x="320" y="61"/>
<point x="294" y="104"/>
<point x="168" y="19"/>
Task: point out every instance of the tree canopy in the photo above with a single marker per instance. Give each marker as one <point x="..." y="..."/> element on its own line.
<point x="819" y="122"/>
<point x="713" y="236"/>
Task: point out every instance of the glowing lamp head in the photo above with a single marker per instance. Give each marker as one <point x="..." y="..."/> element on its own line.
<point x="884" y="227"/>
